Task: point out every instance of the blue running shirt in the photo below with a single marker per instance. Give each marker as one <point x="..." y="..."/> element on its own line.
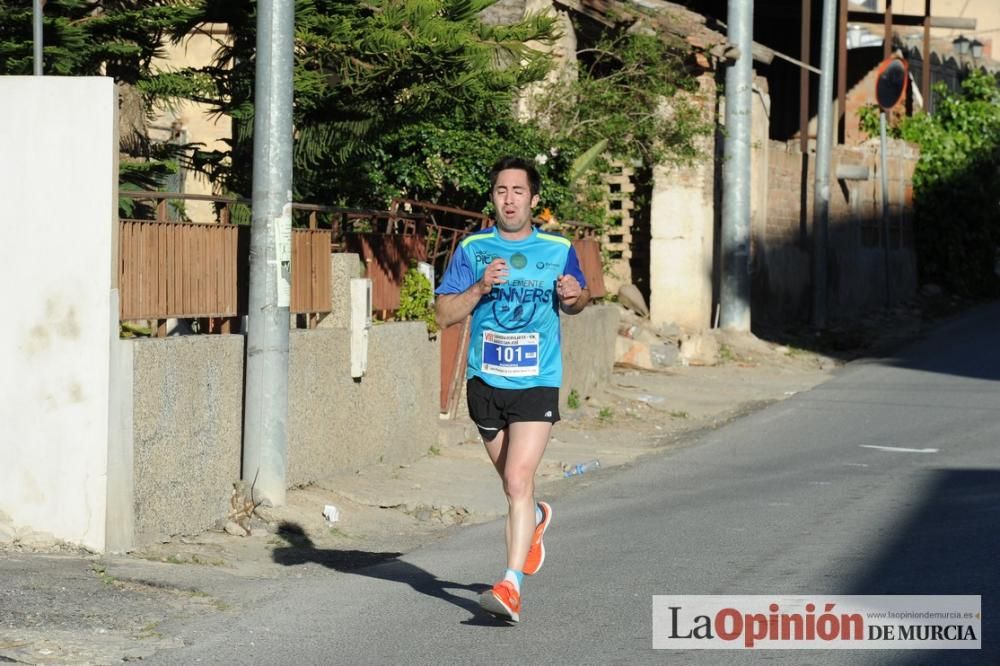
<point x="514" y="342"/>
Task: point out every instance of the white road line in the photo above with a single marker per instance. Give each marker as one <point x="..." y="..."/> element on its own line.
<point x="897" y="449"/>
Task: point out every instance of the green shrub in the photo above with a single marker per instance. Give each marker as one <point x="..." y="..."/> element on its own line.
<point x="956" y="185"/>
<point x="416" y="300"/>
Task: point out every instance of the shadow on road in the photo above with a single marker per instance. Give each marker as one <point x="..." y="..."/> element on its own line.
<point x="929" y="338"/>
<point x="946" y="350"/>
<point x="384" y="566"/>
<point x="948" y="544"/>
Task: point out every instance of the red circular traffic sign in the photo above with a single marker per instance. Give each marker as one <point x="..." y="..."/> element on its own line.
<point x="890" y="84"/>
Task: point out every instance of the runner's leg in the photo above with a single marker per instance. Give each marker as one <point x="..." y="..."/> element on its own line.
<point x="496" y="448"/>
<point x="526" y="441"/>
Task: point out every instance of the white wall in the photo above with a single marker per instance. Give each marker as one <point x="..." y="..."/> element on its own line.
<point x="58" y="167"/>
<point x="682" y="230"/>
<point x="682" y="223"/>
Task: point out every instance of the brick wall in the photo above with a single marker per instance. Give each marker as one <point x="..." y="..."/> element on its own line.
<point x="782" y="242"/>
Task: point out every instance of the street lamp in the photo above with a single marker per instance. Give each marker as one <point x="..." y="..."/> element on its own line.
<point x="976" y="47"/>
<point x="961" y="45"/>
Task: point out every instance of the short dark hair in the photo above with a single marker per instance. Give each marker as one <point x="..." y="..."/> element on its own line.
<point x="511" y="162"/>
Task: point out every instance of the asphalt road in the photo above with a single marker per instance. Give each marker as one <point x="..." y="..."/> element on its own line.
<point x="790" y="500"/>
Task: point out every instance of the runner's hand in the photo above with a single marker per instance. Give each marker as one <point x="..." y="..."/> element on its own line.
<point x="568" y="290"/>
<point x="495" y="273"/>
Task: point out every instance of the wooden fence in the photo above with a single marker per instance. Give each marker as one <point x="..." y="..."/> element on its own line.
<point x="199" y="271"/>
<point x="184" y="270"/>
<point x="177" y="270"/>
<point x="311" y="273"/>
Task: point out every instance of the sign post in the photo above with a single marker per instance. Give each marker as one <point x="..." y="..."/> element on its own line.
<point x="890" y="88"/>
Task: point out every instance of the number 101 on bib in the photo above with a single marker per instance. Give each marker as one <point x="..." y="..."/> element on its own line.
<point x="510" y="354"/>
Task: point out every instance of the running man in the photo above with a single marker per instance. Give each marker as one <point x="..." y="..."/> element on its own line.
<point x="514" y="280"/>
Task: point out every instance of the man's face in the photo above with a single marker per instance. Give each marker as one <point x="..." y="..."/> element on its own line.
<point x="513" y="201"/>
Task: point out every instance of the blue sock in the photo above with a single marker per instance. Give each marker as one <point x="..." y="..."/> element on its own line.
<point x="515" y="577"/>
<point x="538" y="514"/>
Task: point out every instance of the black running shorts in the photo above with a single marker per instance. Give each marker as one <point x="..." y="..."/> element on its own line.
<point x="493" y="409"/>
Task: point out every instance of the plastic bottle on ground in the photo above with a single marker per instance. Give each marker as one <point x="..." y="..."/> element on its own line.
<point x="582" y="468"/>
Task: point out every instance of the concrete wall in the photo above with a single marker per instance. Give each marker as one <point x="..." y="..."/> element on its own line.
<point x="588" y="343"/>
<point x="782" y="247"/>
<point x="187" y="421"/>
<point x="682" y="230"/>
<point x="187" y="417"/>
<point x="344" y="266"/>
<point x="59" y="139"/>
<point x="337" y="424"/>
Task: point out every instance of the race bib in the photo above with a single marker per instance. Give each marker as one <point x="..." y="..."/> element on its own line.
<point x="510" y="354"/>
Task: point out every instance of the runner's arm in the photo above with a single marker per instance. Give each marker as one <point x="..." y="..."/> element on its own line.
<point x="571" y="287"/>
<point x="578" y="304"/>
<point x="453" y="308"/>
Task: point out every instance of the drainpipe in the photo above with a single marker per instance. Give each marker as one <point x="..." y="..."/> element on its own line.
<point x="265" y="421"/>
<point x="734" y="290"/>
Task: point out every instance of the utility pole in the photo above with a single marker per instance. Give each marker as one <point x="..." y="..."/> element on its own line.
<point x="37" y="8"/>
<point x="265" y="435"/>
<point x="883" y="168"/>
<point x="824" y="140"/>
<point x="734" y="292"/>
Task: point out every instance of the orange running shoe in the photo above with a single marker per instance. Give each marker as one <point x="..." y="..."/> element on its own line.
<point x="502" y="601"/>
<point x="536" y="554"/>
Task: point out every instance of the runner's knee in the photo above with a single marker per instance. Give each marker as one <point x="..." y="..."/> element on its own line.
<point x="518" y="484"/>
